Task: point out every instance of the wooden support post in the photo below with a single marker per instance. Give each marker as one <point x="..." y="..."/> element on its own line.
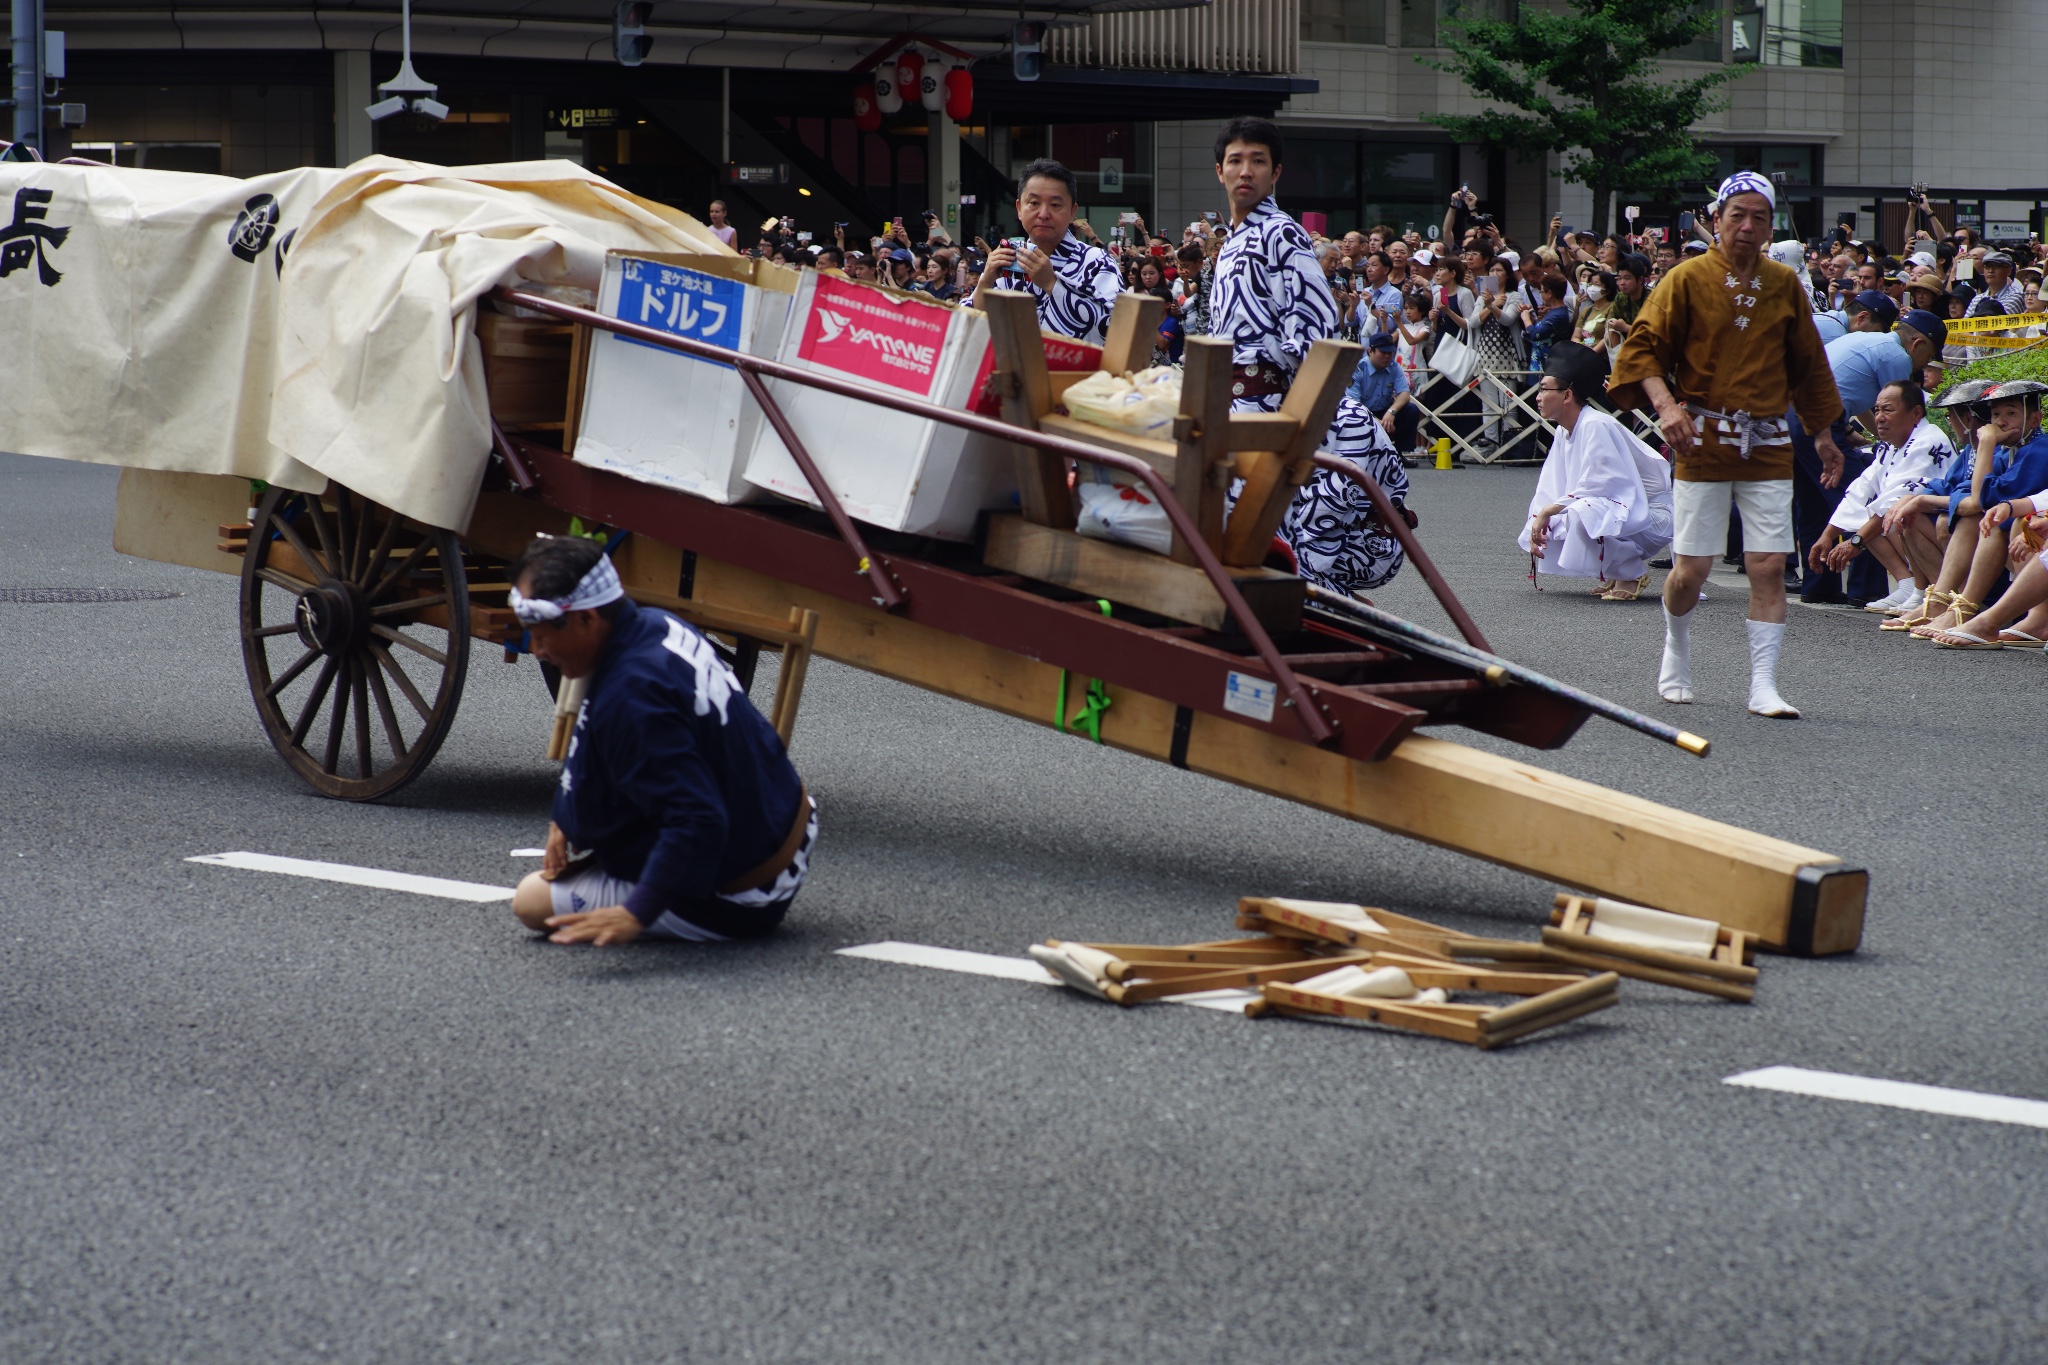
<point x="1271" y="477"/>
<point x="1490" y="806"/>
<point x="1201" y="467"/>
<point x="1026" y="392"/>
<point x="796" y="662"/>
<point x="1133" y="323"/>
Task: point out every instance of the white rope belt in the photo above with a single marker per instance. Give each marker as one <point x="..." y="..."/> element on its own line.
<point x="1749" y="432"/>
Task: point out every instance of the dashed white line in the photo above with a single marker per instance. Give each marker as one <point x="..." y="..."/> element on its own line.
<point x="1018" y="969"/>
<point x="1925" y="1099"/>
<point x="358" y="876"/>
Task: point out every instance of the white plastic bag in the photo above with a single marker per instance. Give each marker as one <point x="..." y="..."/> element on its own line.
<point x="1128" y="516"/>
<point x="1144" y="404"/>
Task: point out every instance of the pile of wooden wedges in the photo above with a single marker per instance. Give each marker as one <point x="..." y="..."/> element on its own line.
<point x="1336" y="960"/>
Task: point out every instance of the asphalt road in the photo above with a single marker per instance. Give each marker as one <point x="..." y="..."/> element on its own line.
<point x="247" y="1117"/>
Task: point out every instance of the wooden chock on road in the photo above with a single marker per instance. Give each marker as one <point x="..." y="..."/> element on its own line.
<point x="1653" y="945"/>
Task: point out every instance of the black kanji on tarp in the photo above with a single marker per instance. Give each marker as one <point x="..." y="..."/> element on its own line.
<point x="26" y="237"/>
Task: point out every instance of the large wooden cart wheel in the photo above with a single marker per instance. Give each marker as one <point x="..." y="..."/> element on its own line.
<point x="355" y="632"/>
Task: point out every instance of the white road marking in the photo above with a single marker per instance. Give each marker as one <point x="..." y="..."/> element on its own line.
<point x="529" y="853"/>
<point x="1927" y="1099"/>
<point x="358" y="876"/>
<point x="954" y="960"/>
<point x="1019" y="969"/>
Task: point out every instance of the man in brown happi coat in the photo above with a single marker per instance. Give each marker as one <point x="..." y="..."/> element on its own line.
<point x="1722" y="349"/>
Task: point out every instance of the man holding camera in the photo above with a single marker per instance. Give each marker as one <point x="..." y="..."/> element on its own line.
<point x="1074" y="284"/>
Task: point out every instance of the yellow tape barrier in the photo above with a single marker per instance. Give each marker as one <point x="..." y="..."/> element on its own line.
<point x="2004" y="343"/>
<point x="1997" y="322"/>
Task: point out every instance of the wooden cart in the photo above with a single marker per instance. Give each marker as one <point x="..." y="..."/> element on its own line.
<point x="357" y="624"/>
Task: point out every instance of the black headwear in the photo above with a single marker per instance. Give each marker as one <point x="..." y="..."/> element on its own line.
<point x="1579" y="368"/>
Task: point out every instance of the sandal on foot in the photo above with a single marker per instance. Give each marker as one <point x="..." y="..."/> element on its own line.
<point x="1626" y="592"/>
<point x="2018" y="639"/>
<point x="1956" y="639"/>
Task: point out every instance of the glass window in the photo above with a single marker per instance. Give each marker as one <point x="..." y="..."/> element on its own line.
<point x="1344" y="21"/>
<point x="1802" y="33"/>
<point x="1418" y="23"/>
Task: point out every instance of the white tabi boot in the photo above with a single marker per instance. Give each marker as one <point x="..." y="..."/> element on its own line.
<point x="1766" y="638"/>
<point x="1674" y="679"/>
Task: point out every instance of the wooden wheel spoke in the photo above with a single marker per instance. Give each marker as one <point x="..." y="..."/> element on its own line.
<point x="266" y="632"/>
<point x="362" y="709"/>
<point x="385" y="712"/>
<point x="345" y="535"/>
<point x="317" y="514"/>
<point x="399" y="637"/>
<point x="409" y="604"/>
<point x="312" y="706"/>
<point x="400" y="569"/>
<point x="337" y="720"/>
<point x="385" y="541"/>
<point x="297" y="542"/>
<point x="412" y="694"/>
<point x="278" y="578"/>
<point x="290" y="675"/>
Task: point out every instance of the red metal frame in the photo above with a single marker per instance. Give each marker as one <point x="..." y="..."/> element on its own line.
<point x="981" y="608"/>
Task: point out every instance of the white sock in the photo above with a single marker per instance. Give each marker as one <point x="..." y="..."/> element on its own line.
<point x="1766" y="638"/>
<point x="1674" y="678"/>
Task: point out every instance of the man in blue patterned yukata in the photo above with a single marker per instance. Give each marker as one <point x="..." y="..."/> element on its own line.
<point x="1075" y="285"/>
<point x="1272" y="303"/>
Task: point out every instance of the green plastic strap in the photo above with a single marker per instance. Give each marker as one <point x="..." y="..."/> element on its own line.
<point x="1094" y="701"/>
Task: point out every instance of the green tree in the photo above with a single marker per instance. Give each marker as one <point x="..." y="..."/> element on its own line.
<point x="1582" y="82"/>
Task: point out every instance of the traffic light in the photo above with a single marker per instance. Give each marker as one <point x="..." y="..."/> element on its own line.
<point x="630" y="43"/>
<point x="1026" y="61"/>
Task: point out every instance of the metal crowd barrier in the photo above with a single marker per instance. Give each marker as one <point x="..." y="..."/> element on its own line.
<point x="1492" y="419"/>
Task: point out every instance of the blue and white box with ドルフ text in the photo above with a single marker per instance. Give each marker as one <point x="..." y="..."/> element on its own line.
<point x="666" y="417"/>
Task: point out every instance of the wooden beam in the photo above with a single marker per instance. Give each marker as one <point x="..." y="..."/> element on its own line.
<point x="1201" y="458"/>
<point x="1159" y="454"/>
<point x="1271" y="477"/>
<point x="1138" y="578"/>
<point x="1487" y="805"/>
<point x="1026" y="393"/>
<point x="1133" y="323"/>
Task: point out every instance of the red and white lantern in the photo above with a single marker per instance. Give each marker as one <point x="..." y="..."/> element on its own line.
<point x="909" y="69"/>
<point x="959" y="94"/>
<point x="888" y="99"/>
<point x="866" y="116"/>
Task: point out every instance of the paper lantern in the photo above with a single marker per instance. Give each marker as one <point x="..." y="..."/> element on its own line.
<point x="909" y="67"/>
<point x="866" y="117"/>
<point x="959" y="94"/>
<point x="888" y="99"/>
<point x="931" y="86"/>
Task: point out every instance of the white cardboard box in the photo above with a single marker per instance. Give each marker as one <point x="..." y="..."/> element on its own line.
<point x="890" y="469"/>
<point x="668" y="418"/>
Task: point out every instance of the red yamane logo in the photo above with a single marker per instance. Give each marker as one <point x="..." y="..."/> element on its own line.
<point x="865" y="333"/>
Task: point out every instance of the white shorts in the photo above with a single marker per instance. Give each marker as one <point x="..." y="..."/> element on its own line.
<point x="1699" y="515"/>
<point x="743" y="913"/>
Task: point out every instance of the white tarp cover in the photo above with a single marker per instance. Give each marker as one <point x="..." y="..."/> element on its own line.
<point x="292" y="327"/>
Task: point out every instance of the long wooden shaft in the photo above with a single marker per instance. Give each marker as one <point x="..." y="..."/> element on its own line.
<point x="1569" y="831"/>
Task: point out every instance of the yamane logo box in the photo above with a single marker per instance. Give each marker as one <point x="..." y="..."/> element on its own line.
<point x="668" y="418"/>
<point x="888" y="468"/>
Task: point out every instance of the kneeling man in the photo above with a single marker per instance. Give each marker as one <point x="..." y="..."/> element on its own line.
<point x="678" y="814"/>
<point x="1602" y="508"/>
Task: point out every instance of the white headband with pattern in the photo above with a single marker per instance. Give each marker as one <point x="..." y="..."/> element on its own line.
<point x="599" y="587"/>
<point x="1745" y="182"/>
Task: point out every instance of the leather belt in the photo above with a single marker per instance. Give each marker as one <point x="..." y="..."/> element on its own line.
<point x="771" y="867"/>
